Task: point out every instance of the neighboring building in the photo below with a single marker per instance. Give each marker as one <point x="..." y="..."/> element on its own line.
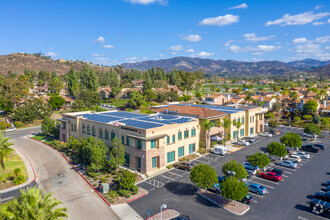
<point x="137" y="83"/>
<point x="126" y="91"/>
<point x="41" y="89"/>
<point x="105" y="92"/>
<point x="268" y="101"/>
<point x="216" y="99"/>
<point x="151" y="142"/>
<point x="176" y="89"/>
<point x="300" y="103"/>
<point x="325" y="108"/>
<point x="268" y="94"/>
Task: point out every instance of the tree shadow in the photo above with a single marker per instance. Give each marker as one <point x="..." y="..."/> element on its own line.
<point x="181" y="189"/>
<point x="204" y="201"/>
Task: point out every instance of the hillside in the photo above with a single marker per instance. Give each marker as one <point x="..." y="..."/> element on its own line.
<point x="216" y="66"/>
<point x="324" y="70"/>
<point x="18" y="62"/>
<point x="308" y="64"/>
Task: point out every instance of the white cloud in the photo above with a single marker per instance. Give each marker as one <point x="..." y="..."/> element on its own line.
<point x="97" y="55"/>
<point x="328" y="21"/>
<point x="317" y="23"/>
<point x="253" y="37"/>
<point x="108" y="46"/>
<point x="258" y="50"/>
<point x="235" y="48"/>
<point x="227" y="43"/>
<point x="221" y="20"/>
<point x="299" y="40"/>
<point x="193" y="38"/>
<point x="190" y="50"/>
<point x="147" y="2"/>
<point x="202" y="54"/>
<point x="51" y="54"/>
<point x="318" y="7"/>
<point x="160" y="55"/>
<point x="241" y="6"/>
<point x="324" y="39"/>
<point x="298" y="19"/>
<point x="101" y="60"/>
<point x="176" y="48"/>
<point x="311" y="50"/>
<point x="100" y="40"/>
<point x="135" y="59"/>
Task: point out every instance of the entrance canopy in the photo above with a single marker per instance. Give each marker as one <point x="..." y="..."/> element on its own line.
<point x="216" y="138"/>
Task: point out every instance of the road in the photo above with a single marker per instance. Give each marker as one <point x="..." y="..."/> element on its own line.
<point x="286" y="200"/>
<point x="55" y="175"/>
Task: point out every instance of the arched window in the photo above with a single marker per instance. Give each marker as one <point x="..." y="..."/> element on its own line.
<point x="113" y="135"/>
<point x="83" y="129"/>
<point x="101" y="133"/>
<point x="88" y="130"/>
<point x="93" y="131"/>
<point x="106" y="134"/>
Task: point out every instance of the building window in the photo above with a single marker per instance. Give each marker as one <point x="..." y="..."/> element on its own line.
<point x="122" y="139"/>
<point x="186" y="134"/>
<point x="88" y="130"/>
<point x="71" y="127"/>
<point x="180" y="135"/>
<point x="193" y="132"/>
<point x="139" y="144"/>
<point x="106" y="134"/>
<point x="101" y="133"/>
<point x="64" y="125"/>
<point x="113" y="135"/>
<point x="83" y="129"/>
<point x="173" y="138"/>
<point x="75" y="127"/>
<point x="234" y="121"/>
<point x="127" y="141"/>
<point x="191" y="148"/>
<point x="93" y="131"/>
<point x="242" y="119"/>
<point x="241" y="132"/>
<point x="251" y="131"/>
<point x="127" y="158"/>
<point x="154" y="162"/>
<point x="170" y="156"/>
<point x="238" y="120"/>
<point x="180" y="151"/>
<point x="139" y="162"/>
<point x="168" y="139"/>
<point x="153" y="144"/>
<point x="235" y="134"/>
<point x="260" y="117"/>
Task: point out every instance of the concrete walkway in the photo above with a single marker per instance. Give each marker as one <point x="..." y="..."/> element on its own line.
<point x="124" y="211"/>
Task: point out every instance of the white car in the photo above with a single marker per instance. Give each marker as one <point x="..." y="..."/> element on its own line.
<point x="243" y="142"/>
<point x="296" y="157"/>
<point x="302" y="154"/>
<point x="287" y="163"/>
<point x="10" y="129"/>
<point x="265" y="134"/>
<point x="310" y="135"/>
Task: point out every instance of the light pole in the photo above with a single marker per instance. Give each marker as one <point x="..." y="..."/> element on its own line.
<point x="164" y="206"/>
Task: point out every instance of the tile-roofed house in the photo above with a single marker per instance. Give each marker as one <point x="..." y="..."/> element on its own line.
<point x="268" y="101"/>
<point x="216" y="98"/>
<point x="137" y="83"/>
<point x="41" y="89"/>
<point x="311" y="94"/>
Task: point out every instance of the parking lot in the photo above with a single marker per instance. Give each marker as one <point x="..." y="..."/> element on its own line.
<point x="287" y="199"/>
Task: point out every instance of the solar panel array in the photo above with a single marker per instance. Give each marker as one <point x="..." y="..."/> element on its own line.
<point x="224" y="109"/>
<point x="136" y="120"/>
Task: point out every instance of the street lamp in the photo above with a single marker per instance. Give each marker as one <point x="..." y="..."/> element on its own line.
<point x="164" y="206"/>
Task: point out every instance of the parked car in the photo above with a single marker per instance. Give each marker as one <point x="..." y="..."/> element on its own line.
<point x="310" y="135"/>
<point x="181" y="217"/>
<point x="219" y="149"/>
<point x="316" y="204"/>
<point x="221" y="178"/>
<point x="243" y="142"/>
<point x="252" y="171"/>
<point x="215" y="188"/>
<point x="288" y="150"/>
<point x="274" y="132"/>
<point x="256" y="188"/>
<point x="122" y="109"/>
<point x="321" y="146"/>
<point x="247" y="199"/>
<point x="265" y="134"/>
<point x="310" y="148"/>
<point x="10" y="129"/>
<point x="297" y="159"/>
<point x="184" y="165"/>
<point x="327" y="183"/>
<point x="271" y="176"/>
<point x="327" y="188"/>
<point x="249" y="139"/>
<point x="249" y="166"/>
<point x="287" y="163"/>
<point x="302" y="155"/>
<point x="325" y="196"/>
<point x="277" y="171"/>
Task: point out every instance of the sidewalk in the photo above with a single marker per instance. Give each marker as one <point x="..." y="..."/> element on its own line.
<point x="231" y="148"/>
<point x="30" y="170"/>
<point x="124" y="211"/>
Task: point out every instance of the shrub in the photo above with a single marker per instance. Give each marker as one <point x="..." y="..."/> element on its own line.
<point x="111" y="201"/>
<point x="19" y="180"/>
<point x="18" y="124"/>
<point x="202" y="144"/>
<point x="108" y="176"/>
<point x="92" y="174"/>
<point x="114" y="172"/>
<point x="297" y="118"/>
<point x="307" y="117"/>
<point x="126" y="180"/>
<point x="113" y="193"/>
<point x="135" y="189"/>
<point x="316" y="119"/>
<point x="95" y="185"/>
<point x="103" y="180"/>
<point x="272" y="124"/>
<point x="170" y="166"/>
<point x="125" y="193"/>
<point x="4" y="125"/>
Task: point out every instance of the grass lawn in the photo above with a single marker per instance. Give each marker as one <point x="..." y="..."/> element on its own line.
<point x="14" y="161"/>
<point x="119" y="103"/>
<point x="41" y="137"/>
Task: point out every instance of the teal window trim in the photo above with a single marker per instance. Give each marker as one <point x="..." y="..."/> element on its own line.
<point x="139" y="144"/>
<point x="154" y="162"/>
<point x="241" y="132"/>
<point x="113" y="135"/>
<point x="180" y="135"/>
<point x="153" y="144"/>
<point x="170" y="156"/>
<point x="193" y="132"/>
<point x="186" y="134"/>
<point x="127" y="141"/>
<point x="235" y="134"/>
<point x="180" y="151"/>
<point x="122" y="139"/>
<point x="191" y="148"/>
<point x="93" y="131"/>
<point x="168" y="140"/>
<point x="173" y="138"/>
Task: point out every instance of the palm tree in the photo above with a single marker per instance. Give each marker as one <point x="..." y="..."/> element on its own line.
<point x="4" y="149"/>
<point x="33" y="204"/>
<point x="294" y="97"/>
<point x="238" y="125"/>
<point x="225" y="124"/>
<point x="207" y="125"/>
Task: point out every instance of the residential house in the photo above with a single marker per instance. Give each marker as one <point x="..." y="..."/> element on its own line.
<point x="216" y="99"/>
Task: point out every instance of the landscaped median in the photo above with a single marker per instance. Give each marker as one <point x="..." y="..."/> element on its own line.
<point x="167" y="214"/>
<point x="231" y="206"/>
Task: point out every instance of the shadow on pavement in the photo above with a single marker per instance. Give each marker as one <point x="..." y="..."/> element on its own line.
<point x="181" y="189"/>
<point x="310" y="197"/>
<point x="205" y="202"/>
<point x="302" y="207"/>
<point x="328" y="173"/>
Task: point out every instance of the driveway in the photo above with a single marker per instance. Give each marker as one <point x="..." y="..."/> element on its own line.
<point x="55" y="175"/>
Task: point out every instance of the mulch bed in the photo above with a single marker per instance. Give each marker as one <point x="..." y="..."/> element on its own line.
<point x="122" y="199"/>
<point x="228" y="204"/>
<point x="167" y="214"/>
<point x="189" y="157"/>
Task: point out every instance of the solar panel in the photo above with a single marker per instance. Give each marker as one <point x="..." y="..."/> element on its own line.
<point x="101" y="118"/>
<point x="140" y="124"/>
<point x="123" y="114"/>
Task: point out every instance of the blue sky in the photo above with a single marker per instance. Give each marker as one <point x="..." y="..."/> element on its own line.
<point x="111" y="32"/>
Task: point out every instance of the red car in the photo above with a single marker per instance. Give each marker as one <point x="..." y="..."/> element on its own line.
<point x="271" y="176"/>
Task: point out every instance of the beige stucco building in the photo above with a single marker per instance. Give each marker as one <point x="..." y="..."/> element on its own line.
<point x="151" y="142"/>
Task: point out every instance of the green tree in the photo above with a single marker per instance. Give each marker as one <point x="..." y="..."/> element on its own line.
<point x="32" y="110"/>
<point x="238" y="125"/>
<point x="73" y="143"/>
<point x="311" y="128"/>
<point x="56" y="102"/>
<point x="136" y="100"/>
<point x="5" y="149"/>
<point x="272" y="124"/>
<point x="316" y="119"/>
<point x="34" y="204"/>
<point x="276" y="106"/>
<point x="307" y="117"/>
<point x="276" y="149"/>
<point x="127" y="180"/>
<point x="147" y="84"/>
<point x="259" y="159"/>
<point x="207" y="125"/>
<point x="225" y="123"/>
<point x="234" y="167"/>
<point x="56" y="84"/>
<point x="49" y="127"/>
<point x="17" y="172"/>
<point x="270" y="115"/>
<point x="72" y="81"/>
<point x="19" y="180"/>
<point x="291" y="139"/>
<point x="117" y="153"/>
<point x="98" y="155"/>
<point x="88" y="79"/>
<point x="310" y="107"/>
<point x="234" y="189"/>
<point x="149" y="95"/>
<point x="203" y="176"/>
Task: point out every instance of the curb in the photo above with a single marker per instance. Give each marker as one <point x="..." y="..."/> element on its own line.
<point x="76" y="171"/>
<point x="138" y="196"/>
<point x="223" y="207"/>
<point x="163" y="212"/>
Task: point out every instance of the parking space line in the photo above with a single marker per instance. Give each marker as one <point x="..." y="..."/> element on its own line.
<point x="260" y="196"/>
<point x="167" y="177"/>
<point x="315" y="215"/>
<point x="287" y="172"/>
<point x="284" y="175"/>
<point x="284" y="168"/>
<point x="268" y="180"/>
<point x="302" y="218"/>
<point x="263" y="184"/>
<point x="183" y="172"/>
<point x="155" y="183"/>
<point x="202" y="161"/>
<point x="175" y="174"/>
